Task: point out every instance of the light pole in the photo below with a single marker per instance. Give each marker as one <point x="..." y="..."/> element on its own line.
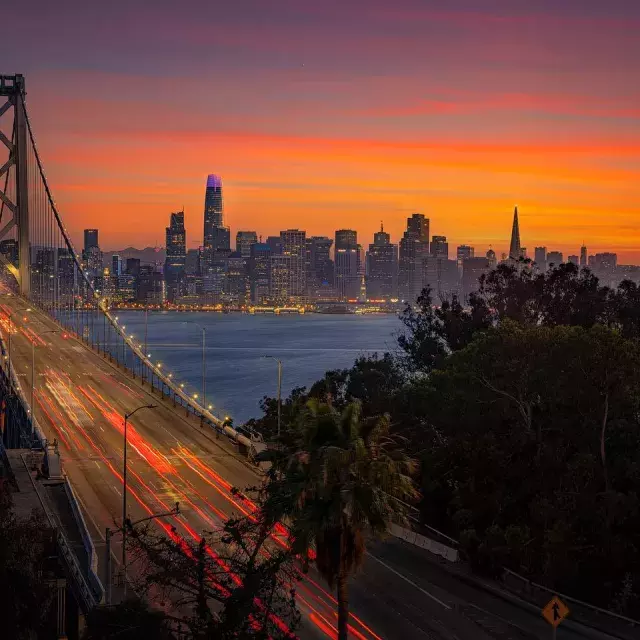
<point x="279" y="388"/>
<point x="124" y="491"/>
<point x="33" y="380"/>
<point x="109" y="533"/>
<point x="204" y="362"/>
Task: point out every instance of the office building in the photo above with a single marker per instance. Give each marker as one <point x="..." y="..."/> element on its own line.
<point x="90" y="239"/>
<point x="463" y="252"/>
<point x="294" y="246"/>
<point x="319" y="267"/>
<point x="132" y="266"/>
<point x="540" y="258"/>
<point x="583" y="256"/>
<point x="439" y="247"/>
<point x="491" y="258"/>
<point x="382" y="268"/>
<point x="116" y="265"/>
<point x="280" y="280"/>
<point x="275" y="245"/>
<point x="472" y="269"/>
<point x="573" y="259"/>
<point x="151" y="286"/>
<point x="554" y="258"/>
<point x="213" y="207"/>
<point x="237" y="280"/>
<point x="176" y="256"/>
<point x="259" y="272"/>
<point x="414" y="248"/>
<point x="348" y="278"/>
<point x="514" y="247"/>
<point x="244" y="240"/>
<point x="442" y="277"/>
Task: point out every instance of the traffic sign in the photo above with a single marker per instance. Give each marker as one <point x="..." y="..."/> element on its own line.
<point x="555" y="611"/>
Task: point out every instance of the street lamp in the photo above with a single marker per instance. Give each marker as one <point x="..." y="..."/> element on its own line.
<point x="124" y="489"/>
<point x="279" y="388"/>
<point x="204" y="361"/>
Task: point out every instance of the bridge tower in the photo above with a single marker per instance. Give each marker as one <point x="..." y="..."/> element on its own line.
<point x="16" y="200"/>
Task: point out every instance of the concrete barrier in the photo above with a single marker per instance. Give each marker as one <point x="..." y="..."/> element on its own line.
<point x="437" y="548"/>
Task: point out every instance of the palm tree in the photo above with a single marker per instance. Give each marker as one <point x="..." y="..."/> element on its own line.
<point x="342" y="477"/>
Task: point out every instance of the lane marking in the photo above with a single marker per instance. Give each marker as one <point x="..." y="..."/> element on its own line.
<point x="411" y="582"/>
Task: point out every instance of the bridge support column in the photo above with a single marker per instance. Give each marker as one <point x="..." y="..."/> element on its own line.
<point x="22" y="191"/>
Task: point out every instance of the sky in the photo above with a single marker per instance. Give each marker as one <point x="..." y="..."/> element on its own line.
<point x="339" y="114"/>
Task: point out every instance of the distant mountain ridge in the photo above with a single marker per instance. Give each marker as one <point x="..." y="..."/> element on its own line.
<point x="148" y="255"/>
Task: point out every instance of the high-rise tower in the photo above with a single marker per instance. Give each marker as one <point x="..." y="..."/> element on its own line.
<point x="514" y="248"/>
<point x="213" y="209"/>
<point x="176" y="255"/>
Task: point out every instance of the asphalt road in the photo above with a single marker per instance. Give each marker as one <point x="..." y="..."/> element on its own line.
<point x="80" y="400"/>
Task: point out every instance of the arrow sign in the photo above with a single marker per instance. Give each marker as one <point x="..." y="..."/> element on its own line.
<point x="555" y="611"/>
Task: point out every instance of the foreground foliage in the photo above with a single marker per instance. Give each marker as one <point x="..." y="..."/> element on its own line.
<point x="523" y="409"/>
<point x="337" y="477"/>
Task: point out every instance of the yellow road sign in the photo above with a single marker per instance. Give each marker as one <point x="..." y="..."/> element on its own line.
<point x="555" y="611"/>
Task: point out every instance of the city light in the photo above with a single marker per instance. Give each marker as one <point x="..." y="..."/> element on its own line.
<point x="182" y="385"/>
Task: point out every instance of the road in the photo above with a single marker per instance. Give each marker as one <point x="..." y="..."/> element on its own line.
<point x="80" y="400"/>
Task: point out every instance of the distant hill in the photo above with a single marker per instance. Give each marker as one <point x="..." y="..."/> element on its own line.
<point x="149" y="255"/>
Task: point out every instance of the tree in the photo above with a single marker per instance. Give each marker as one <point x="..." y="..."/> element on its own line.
<point x="337" y="477"/>
<point x="232" y="583"/>
<point x="532" y="456"/>
<point x="26" y="591"/>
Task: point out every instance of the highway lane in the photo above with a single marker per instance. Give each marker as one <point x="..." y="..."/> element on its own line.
<point x="80" y="401"/>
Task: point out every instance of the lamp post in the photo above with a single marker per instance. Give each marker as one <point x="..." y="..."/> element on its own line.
<point x="33" y="381"/>
<point x="109" y="533"/>
<point x="204" y="362"/>
<point x="124" y="490"/>
<point x="279" y="388"/>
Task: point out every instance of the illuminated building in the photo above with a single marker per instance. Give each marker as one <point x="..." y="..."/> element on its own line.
<point x="382" y="268"/>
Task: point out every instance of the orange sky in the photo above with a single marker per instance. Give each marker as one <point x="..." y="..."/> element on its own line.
<point x="332" y="116"/>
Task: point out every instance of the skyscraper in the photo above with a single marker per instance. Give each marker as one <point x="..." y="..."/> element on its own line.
<point x="294" y="245"/>
<point x="514" y="248"/>
<point x="473" y="268"/>
<point x="319" y="266"/>
<point x="583" y="256"/>
<point x="217" y="240"/>
<point x="382" y="268"/>
<point x="213" y="206"/>
<point x="540" y="258"/>
<point x="573" y="259"/>
<point x="414" y="248"/>
<point x="90" y="239"/>
<point x="116" y="265"/>
<point x="554" y="258"/>
<point x="176" y="255"/>
<point x="259" y="272"/>
<point x="347" y="264"/>
<point x="440" y="247"/>
<point x="463" y="252"/>
<point x="244" y="240"/>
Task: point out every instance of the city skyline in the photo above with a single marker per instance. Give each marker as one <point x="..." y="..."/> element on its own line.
<point x="311" y="134"/>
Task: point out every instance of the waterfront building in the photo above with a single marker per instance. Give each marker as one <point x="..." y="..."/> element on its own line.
<point x="414" y="248"/>
<point x="347" y="265"/>
<point x="319" y="267"/>
<point x="382" y="268"/>
<point x="294" y="246"/>
<point x="259" y="272"/>
<point x="176" y="255"/>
